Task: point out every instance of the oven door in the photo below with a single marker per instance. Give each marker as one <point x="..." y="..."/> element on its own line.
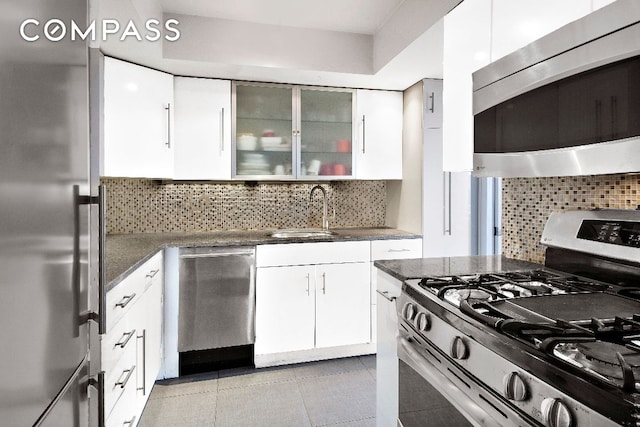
<point x="433" y="391"/>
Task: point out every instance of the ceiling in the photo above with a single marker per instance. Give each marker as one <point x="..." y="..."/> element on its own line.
<point x="354" y="16"/>
<point x="380" y="44"/>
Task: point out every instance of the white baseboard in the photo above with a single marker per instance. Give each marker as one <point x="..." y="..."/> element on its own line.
<point x="287" y="358"/>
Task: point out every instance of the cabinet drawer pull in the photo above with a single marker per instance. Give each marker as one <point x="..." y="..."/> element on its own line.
<point x="153" y="273"/>
<point x="130" y="422"/>
<point x="386" y="296"/>
<point x="126" y="300"/>
<point x="124" y="382"/>
<point x="399" y="250"/>
<point x="125" y="339"/>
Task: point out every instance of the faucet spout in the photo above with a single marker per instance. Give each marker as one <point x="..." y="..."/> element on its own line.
<point x="325" y="217"/>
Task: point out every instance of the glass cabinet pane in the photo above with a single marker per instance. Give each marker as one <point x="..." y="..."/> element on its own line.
<point x="325" y="132"/>
<point x="263" y="131"/>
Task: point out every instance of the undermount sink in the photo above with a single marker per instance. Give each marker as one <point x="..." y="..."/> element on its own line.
<point x="301" y="233"/>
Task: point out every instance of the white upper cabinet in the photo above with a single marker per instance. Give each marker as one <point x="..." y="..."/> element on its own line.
<point x="517" y="23"/>
<point x="467" y="44"/>
<point x="202" y="129"/>
<point x="138" y="115"/>
<point x="379" y="134"/>
<point x="478" y="32"/>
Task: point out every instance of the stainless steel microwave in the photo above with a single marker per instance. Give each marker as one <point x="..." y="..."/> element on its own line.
<point x="566" y="104"/>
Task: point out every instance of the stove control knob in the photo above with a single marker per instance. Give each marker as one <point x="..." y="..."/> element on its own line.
<point x="514" y="387"/>
<point x="409" y="311"/>
<point x="556" y="413"/>
<point x="422" y="322"/>
<point x="459" y="349"/>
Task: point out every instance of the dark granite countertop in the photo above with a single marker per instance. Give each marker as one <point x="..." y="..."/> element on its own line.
<point x="126" y="252"/>
<point x="447" y="266"/>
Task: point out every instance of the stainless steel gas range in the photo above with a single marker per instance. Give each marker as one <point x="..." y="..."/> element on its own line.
<point x="555" y="346"/>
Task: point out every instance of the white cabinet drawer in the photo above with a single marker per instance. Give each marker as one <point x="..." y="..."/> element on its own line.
<point x="312" y="253"/>
<point x="125" y="412"/>
<point x="396" y="249"/>
<point x="153" y="271"/>
<point x="121" y="377"/>
<point x="116" y="343"/>
<point x="123" y="296"/>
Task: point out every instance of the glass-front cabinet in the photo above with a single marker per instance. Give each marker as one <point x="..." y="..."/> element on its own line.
<point x="290" y="132"/>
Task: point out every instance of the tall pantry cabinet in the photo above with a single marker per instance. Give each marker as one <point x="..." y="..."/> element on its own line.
<point x="446" y="196"/>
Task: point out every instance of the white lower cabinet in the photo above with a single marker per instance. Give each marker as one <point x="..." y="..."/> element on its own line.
<point x="386" y="250"/>
<point x="387" y="354"/>
<point x="131" y="349"/>
<point x="342" y="304"/>
<point x="312" y="311"/>
<point x="285" y="309"/>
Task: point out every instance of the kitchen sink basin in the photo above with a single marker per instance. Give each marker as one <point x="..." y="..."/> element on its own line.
<point x="301" y="233"/>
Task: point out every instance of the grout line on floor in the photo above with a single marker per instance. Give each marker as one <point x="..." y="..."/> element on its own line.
<point x="304" y="403"/>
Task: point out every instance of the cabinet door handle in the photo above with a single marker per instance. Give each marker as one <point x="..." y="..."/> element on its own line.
<point x="124" y="382"/>
<point x="308" y="284"/>
<point x="168" y="109"/>
<point x="152" y="273"/>
<point x="130" y="422"/>
<point x="126" y="300"/>
<point x="125" y="339"/>
<point x="433" y="101"/>
<point x="143" y="337"/>
<point x="221" y="130"/>
<point x="364" y="138"/>
<point x="446" y="203"/>
<point x="324" y="283"/>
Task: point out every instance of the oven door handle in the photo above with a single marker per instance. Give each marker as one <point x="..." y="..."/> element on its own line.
<point x="474" y="413"/>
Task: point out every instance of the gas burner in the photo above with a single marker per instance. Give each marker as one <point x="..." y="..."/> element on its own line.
<point x="607" y="361"/>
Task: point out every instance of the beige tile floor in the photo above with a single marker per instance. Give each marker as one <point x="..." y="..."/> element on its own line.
<point x="337" y="392"/>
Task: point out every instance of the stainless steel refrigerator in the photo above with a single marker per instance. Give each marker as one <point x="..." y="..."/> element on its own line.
<point x="46" y="229"/>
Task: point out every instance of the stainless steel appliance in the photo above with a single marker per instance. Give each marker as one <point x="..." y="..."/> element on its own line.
<point x="557" y="345"/>
<point x="565" y="104"/>
<point x="48" y="227"/>
<point x="216" y="321"/>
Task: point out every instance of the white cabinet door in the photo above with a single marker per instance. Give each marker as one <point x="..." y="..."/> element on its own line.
<point x="138" y="110"/>
<point x="518" y="23"/>
<point x="285" y="309"/>
<point x="467" y="44"/>
<point x="202" y="128"/>
<point x="379" y="131"/>
<point x="343" y="299"/>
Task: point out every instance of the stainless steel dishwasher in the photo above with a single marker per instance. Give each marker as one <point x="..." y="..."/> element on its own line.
<point x="216" y="321"/>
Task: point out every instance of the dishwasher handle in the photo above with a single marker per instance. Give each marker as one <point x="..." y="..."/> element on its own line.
<point x="185" y="254"/>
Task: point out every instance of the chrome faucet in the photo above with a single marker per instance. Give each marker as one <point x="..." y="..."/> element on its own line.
<point x="325" y="216"/>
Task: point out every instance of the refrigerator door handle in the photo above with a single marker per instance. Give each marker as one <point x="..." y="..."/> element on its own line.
<point x="100" y="200"/>
<point x="98" y="384"/>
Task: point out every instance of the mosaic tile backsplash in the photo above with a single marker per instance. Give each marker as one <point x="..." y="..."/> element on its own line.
<point x="146" y="206"/>
<point x="527" y="203"/>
